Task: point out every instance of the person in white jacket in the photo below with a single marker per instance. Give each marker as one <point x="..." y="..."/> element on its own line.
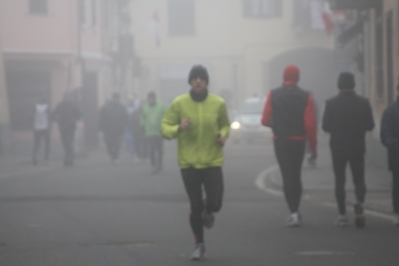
<point x="41" y="129"/>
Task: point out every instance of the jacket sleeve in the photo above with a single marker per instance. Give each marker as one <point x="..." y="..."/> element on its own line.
<point x="170" y="122"/>
<point x="387" y="133"/>
<point x="369" y="116"/>
<point x="310" y="123"/>
<point x="326" y="124"/>
<point x="142" y="116"/>
<point x="224" y="122"/>
<point x="267" y="111"/>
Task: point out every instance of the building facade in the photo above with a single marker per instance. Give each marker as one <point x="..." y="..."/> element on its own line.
<point x="369" y="38"/>
<point x="244" y="44"/>
<point x="53" y="47"/>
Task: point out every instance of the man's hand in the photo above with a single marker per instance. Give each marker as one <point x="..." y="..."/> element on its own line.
<point x="313" y="155"/>
<point x="184" y="124"/>
<point x="220" y="139"/>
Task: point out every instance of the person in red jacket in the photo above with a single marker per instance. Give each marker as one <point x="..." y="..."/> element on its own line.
<point x="289" y="111"/>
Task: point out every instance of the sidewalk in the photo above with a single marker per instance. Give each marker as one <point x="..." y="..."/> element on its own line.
<point x="320" y="179"/>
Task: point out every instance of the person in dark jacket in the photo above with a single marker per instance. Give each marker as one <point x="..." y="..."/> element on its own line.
<point x="113" y="121"/>
<point x="390" y="138"/>
<point x="67" y="113"/>
<point x="138" y="133"/>
<point x="290" y="112"/>
<point x="347" y="117"/>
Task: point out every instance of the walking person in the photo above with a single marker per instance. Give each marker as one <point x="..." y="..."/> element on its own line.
<point x="151" y="118"/>
<point x="131" y="107"/>
<point x="289" y="111"/>
<point x="347" y="117"/>
<point x="42" y="128"/>
<point x="199" y="121"/>
<point x="113" y="122"/>
<point x="67" y="114"/>
<point x="390" y="138"/>
<point x="138" y="134"/>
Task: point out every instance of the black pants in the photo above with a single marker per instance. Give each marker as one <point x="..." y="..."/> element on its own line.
<point x="356" y="163"/>
<point x="212" y="181"/>
<point x="395" y="191"/>
<point x="113" y="141"/>
<point x="38" y="135"/>
<point x="290" y="155"/>
<point x="67" y="138"/>
<point x="155" y="148"/>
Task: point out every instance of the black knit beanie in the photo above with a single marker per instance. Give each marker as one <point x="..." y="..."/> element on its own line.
<point x="346" y="80"/>
<point x="198" y="71"/>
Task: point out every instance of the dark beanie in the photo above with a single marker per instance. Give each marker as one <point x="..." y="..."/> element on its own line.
<point x="346" y="80"/>
<point x="291" y="75"/>
<point x="198" y="71"/>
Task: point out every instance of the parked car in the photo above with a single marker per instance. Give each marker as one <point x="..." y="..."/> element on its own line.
<point x="246" y="125"/>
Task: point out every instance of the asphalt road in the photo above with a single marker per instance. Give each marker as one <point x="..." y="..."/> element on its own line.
<point x="101" y="214"/>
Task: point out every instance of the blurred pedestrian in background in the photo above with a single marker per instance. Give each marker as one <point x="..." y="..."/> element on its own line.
<point x="200" y="122"/>
<point x="113" y="122"/>
<point x="347" y="117"/>
<point x="42" y="129"/>
<point x="67" y="114"/>
<point x="290" y="112"/>
<point x="390" y="138"/>
<point x="131" y="107"/>
<point x="312" y="161"/>
<point x="151" y="117"/>
<point x="138" y="134"/>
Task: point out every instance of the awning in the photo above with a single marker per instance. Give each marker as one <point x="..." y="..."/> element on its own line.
<point x="354" y="4"/>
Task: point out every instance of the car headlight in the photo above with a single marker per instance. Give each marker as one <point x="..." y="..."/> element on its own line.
<point x="235" y="125"/>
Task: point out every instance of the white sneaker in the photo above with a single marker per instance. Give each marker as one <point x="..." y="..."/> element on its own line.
<point x="199" y="252"/>
<point x="342" y="221"/>
<point x="360" y="219"/>
<point x="293" y="220"/>
<point x="396" y="219"/>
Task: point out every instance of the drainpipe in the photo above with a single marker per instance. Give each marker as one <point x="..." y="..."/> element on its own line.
<point x="4" y="110"/>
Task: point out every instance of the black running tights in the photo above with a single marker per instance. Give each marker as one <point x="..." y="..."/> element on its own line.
<point x="212" y="181"/>
<point x="356" y="163"/>
<point x="290" y="155"/>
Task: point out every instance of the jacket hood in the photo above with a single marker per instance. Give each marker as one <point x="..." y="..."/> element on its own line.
<point x="291" y="75"/>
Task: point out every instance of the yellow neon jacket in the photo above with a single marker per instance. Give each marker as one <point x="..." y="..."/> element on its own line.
<point x="197" y="146"/>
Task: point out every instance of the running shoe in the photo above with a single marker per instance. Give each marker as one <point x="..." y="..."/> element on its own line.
<point x="199" y="252"/>
<point x="342" y="221"/>
<point x="396" y="219"/>
<point x="208" y="219"/>
<point x="360" y="220"/>
<point x="294" y="220"/>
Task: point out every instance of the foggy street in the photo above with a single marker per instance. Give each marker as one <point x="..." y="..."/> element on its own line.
<point x="102" y="214"/>
<point x="217" y="132"/>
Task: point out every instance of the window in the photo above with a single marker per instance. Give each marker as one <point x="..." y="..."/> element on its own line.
<point x="379" y="57"/>
<point x="181" y="17"/>
<point x="38" y="7"/>
<point x="262" y="8"/>
<point x="301" y="15"/>
<point x="82" y="11"/>
<point x="93" y="12"/>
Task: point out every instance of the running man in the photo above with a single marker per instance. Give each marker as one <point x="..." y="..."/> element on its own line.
<point x="199" y="121"/>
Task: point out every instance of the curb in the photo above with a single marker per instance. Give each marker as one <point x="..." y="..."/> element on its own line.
<point x="267" y="182"/>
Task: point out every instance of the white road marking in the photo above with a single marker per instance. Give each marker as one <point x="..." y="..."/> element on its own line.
<point x="367" y="212"/>
<point x="323" y="253"/>
<point x="260" y="182"/>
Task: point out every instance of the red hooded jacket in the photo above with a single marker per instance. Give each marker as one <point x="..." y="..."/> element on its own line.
<point x="290" y="111"/>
